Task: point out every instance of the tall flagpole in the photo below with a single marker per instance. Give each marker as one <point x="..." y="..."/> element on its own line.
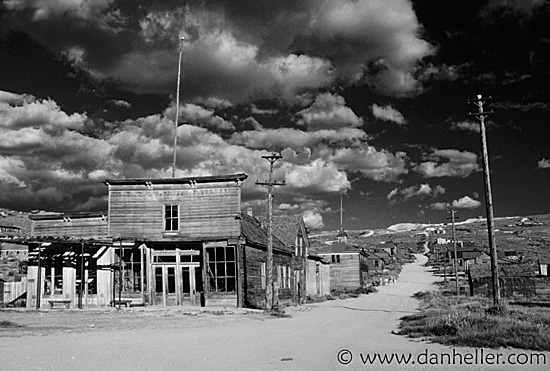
<point x="177" y="111"/>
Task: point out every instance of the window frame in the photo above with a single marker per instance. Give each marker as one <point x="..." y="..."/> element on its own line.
<point x="169" y="219"/>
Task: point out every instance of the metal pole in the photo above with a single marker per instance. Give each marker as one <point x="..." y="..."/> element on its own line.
<point x="481" y="115"/>
<point x="177" y="111"/>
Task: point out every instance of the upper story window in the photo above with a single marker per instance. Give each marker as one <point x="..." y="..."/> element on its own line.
<point x="336" y="258"/>
<point x="171" y="218"/>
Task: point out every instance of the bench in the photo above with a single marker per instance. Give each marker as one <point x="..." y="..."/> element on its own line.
<point x="66" y="303"/>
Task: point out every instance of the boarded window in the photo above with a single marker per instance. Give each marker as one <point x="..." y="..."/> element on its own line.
<point x="262" y="274"/>
<point x="288" y="277"/>
<point x="171" y="218"/>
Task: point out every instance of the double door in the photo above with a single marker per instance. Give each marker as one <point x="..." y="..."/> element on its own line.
<point x="176" y="284"/>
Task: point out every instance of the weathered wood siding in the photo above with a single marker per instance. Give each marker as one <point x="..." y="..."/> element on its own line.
<point x="89" y="227"/>
<point x="10" y="291"/>
<point x="254" y="294"/>
<point x="345" y="275"/>
<point x="317" y="278"/>
<point x="205" y="211"/>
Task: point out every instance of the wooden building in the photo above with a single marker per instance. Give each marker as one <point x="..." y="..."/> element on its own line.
<point x="519" y="280"/>
<point x="253" y="266"/>
<point x="312" y="272"/>
<point x="181" y="241"/>
<point x="348" y="265"/>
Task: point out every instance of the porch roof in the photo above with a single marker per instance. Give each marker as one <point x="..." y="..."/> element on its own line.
<point x="26" y="240"/>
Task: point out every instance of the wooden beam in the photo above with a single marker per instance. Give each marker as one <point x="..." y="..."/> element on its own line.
<point x="177" y="278"/>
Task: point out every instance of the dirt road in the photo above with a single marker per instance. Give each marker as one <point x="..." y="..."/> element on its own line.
<point x="333" y="335"/>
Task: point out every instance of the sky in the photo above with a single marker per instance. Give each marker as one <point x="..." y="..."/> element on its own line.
<point x="366" y="101"/>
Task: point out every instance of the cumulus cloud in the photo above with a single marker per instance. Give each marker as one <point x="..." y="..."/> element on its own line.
<point x="466" y="126"/>
<point x="465" y="203"/>
<point x="328" y="111"/>
<point x="195" y="114"/>
<point x="448" y="162"/>
<point x="543" y="164"/>
<point x="317" y="176"/>
<point x="232" y="50"/>
<point x="313" y="220"/>
<point x="388" y="113"/>
<point x="422" y="190"/>
<point x="372" y="163"/>
<point x="440" y="206"/>
<point x="20" y="111"/>
<point x="295" y="139"/>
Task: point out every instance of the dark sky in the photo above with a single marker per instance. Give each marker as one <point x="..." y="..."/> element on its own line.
<point x="367" y="100"/>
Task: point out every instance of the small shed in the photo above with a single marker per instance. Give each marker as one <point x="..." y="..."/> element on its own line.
<point x="348" y="265"/>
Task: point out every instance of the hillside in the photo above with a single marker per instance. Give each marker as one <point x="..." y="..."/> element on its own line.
<point x="528" y="235"/>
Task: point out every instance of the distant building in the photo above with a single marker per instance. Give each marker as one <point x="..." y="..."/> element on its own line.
<point x="348" y="265"/>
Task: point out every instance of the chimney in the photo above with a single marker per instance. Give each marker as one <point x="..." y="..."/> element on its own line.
<point x="249" y="211"/>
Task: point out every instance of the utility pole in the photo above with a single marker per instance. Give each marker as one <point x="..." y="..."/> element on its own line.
<point x="445" y="257"/>
<point x="82" y="276"/>
<point x="269" y="266"/>
<point x="177" y="111"/>
<point x="481" y="115"/>
<point x="453" y="212"/>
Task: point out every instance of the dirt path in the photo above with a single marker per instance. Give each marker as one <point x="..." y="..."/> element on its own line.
<point x="311" y="339"/>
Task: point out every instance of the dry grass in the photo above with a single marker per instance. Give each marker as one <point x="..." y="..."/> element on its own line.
<point x="468" y="321"/>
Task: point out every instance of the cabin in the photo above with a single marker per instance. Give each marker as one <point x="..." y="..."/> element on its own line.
<point x="466" y="256"/>
<point x="313" y="278"/>
<point x="348" y="265"/>
<point x="519" y="280"/>
<point x="253" y="266"/>
<point x="376" y="261"/>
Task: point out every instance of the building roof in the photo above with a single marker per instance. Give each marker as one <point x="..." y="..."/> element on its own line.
<point x="374" y="255"/>
<point x="188" y="180"/>
<point x="338" y="248"/>
<point x="253" y="231"/>
<point x="286" y="227"/>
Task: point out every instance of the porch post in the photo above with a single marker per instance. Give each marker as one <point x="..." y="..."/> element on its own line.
<point x="177" y="278"/>
<point x="204" y="276"/>
<point x="239" y="276"/>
